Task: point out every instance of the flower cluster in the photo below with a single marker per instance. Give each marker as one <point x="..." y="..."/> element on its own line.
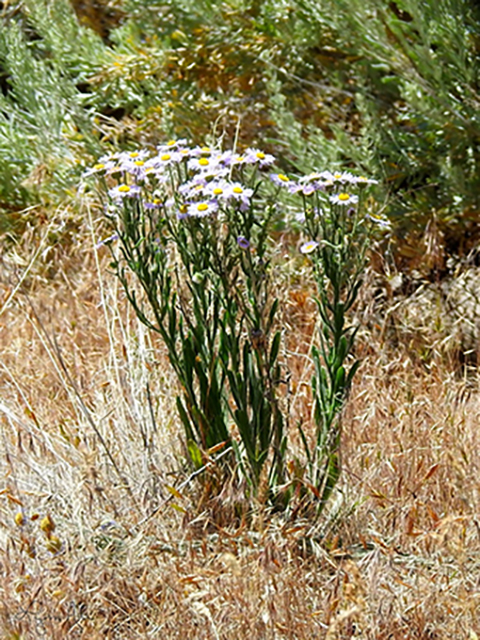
<point x="338" y="190"/>
<point x="321" y="181"/>
<point x="201" y="181"/>
<point x="205" y="178"/>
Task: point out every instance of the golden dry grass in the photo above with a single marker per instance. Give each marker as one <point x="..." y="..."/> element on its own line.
<point x="93" y="545"/>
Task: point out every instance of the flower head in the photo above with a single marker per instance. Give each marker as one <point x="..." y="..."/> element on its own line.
<point x="236" y="191"/>
<point x="243" y="243"/>
<point x="104" y="165"/>
<point x="381" y="221"/>
<point x="202" y="209"/>
<point x="132" y="156"/>
<point x="280" y="179"/>
<point x="312" y="177"/>
<point x="192" y="188"/>
<point x="171" y="145"/>
<point x="156" y="203"/>
<point x="344" y="198"/>
<point x="255" y="156"/>
<point x="343" y="177"/>
<point x="218" y="189"/>
<point x="204" y="163"/>
<point x="309" y="247"/>
<point x="363" y="181"/>
<point x="117" y="194"/>
<point x="309" y="189"/>
<point x="165" y="158"/>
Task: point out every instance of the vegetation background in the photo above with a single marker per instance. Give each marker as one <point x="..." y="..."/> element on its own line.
<point x="103" y="532"/>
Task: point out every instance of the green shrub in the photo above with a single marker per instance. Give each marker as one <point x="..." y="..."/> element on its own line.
<point x="391" y="88"/>
<point x="46" y="129"/>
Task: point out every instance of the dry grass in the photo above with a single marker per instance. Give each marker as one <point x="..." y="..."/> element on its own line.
<point x="90" y="439"/>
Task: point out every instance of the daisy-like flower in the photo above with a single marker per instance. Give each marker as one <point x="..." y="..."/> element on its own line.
<point x="192" y="188"/>
<point x="117" y="194"/>
<point x="181" y="211"/>
<point x="215" y="172"/>
<point x="280" y="179"/>
<point x="343" y="177"/>
<point x="218" y="189"/>
<point x="206" y="164"/>
<point x="255" y="156"/>
<point x="100" y="167"/>
<point x="327" y="184"/>
<point x="171" y="145"/>
<point x="309" y="189"/>
<point x="165" y="159"/>
<point x="239" y="158"/>
<point x="293" y="187"/>
<point x="108" y="157"/>
<point x="202" y="209"/>
<point x="104" y="165"/>
<point x="127" y="156"/>
<point x="243" y="243"/>
<point x="314" y="181"/>
<point x="379" y="220"/>
<point x="156" y="203"/>
<point x="227" y="158"/>
<point x="309" y="247"/>
<point x="312" y="177"/>
<point x="362" y="180"/>
<point x="344" y="199"/>
<point x="205" y="152"/>
<point x="236" y="191"/>
<point x="135" y="168"/>
<point x="115" y="169"/>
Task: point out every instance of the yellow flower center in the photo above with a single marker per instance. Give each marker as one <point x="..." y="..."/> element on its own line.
<point x="183" y="208"/>
<point x="124" y="188"/>
<point x="97" y="167"/>
<point x="202" y="206"/>
<point x="218" y="191"/>
<point x="205" y="150"/>
<point x="203" y="162"/>
<point x="139" y="163"/>
<point x="344" y="197"/>
<point x="170" y="143"/>
<point x="165" y="157"/>
<point x="237" y="190"/>
<point x="283" y="178"/>
<point x="134" y="154"/>
<point x="337" y="176"/>
<point x="260" y="155"/>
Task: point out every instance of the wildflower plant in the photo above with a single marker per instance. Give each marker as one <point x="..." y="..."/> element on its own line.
<point x="338" y="231"/>
<point x="193" y="225"/>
